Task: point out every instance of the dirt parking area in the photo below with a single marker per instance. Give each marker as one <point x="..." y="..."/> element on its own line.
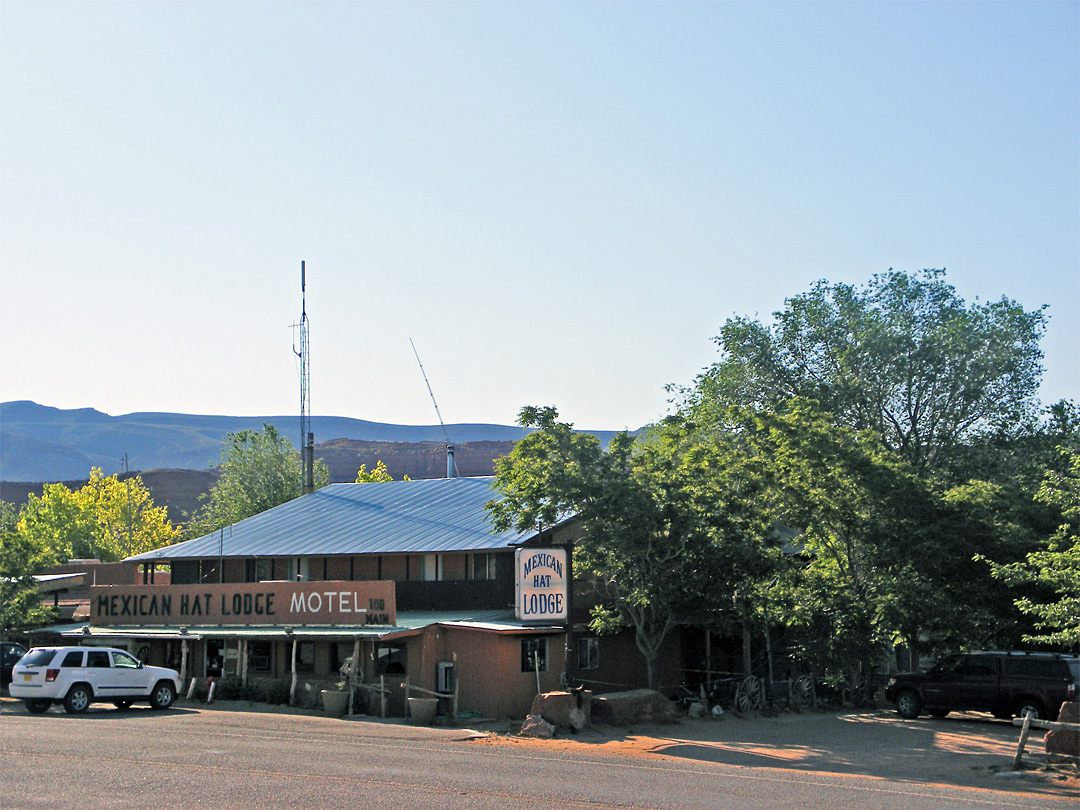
<point x="964" y="749"/>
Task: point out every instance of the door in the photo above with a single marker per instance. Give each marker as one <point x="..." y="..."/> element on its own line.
<point x="971" y="683"/>
<point x="127" y="676"/>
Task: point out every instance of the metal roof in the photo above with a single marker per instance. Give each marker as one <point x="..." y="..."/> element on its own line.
<point x="395" y="517"/>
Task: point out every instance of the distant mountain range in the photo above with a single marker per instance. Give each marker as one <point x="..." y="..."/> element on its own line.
<point x="39" y="443"/>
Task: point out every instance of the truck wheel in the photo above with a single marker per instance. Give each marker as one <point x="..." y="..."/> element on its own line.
<point x="162" y="696"/>
<point x="1030" y="706"/>
<point x="908" y="704"/>
<point x="78" y="698"/>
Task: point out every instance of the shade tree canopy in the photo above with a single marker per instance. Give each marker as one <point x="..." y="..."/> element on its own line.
<point x="259" y="470"/>
<point x="669" y="523"/>
<point x="904" y="356"/>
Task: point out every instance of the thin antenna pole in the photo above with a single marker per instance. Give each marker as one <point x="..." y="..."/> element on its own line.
<point x="451" y="467"/>
<point x="430" y="393"/>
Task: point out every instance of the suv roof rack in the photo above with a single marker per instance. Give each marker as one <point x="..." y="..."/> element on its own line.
<point x="1024" y="652"/>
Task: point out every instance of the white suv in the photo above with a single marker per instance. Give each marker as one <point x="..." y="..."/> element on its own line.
<point x="78" y="676"/>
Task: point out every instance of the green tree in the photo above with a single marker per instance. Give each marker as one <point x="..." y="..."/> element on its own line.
<point x="904" y="356"/>
<point x="21" y="556"/>
<point x="857" y="512"/>
<point x="379" y="475"/>
<point x="669" y="523"/>
<point x="1055" y="569"/>
<point x="129" y="522"/>
<point x="107" y="519"/>
<point x="259" y="470"/>
<point x="61" y="520"/>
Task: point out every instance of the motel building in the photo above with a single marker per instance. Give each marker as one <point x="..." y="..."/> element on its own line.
<point x="405" y="582"/>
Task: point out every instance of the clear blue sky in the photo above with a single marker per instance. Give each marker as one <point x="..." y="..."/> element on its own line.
<point x="559" y="202"/>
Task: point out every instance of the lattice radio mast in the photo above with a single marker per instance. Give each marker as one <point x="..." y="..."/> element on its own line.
<point x="307" y="438"/>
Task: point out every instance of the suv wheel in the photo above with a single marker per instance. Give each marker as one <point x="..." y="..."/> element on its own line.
<point x="162" y="696"/>
<point x="908" y="704"/>
<point x="1030" y="706"/>
<point x="38" y="706"/>
<point x="78" y="698"/>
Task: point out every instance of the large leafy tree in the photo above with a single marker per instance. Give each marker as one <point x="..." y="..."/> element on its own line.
<point x="903" y="356"/>
<point x="859" y="514"/>
<point x="1054" y="570"/>
<point x="21" y="556"/>
<point x="259" y="470"/>
<point x="107" y="519"/>
<point x="670" y="523"/>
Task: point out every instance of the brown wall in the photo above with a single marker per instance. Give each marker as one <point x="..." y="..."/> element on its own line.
<point x="488" y="668"/>
<point x="338" y="567"/>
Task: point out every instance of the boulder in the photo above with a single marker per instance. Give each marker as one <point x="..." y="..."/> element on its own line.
<point x="564" y="710"/>
<point x="537" y="726"/>
<point x="1065" y="741"/>
<point x="633" y="707"/>
<point x="1070" y="712"/>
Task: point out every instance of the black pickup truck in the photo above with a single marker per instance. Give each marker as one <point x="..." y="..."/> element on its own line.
<point x="1006" y="684"/>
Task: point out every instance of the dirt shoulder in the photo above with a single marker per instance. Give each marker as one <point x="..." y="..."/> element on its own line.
<point x="968" y="749"/>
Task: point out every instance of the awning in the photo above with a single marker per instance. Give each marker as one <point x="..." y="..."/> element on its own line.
<point x="408" y="624"/>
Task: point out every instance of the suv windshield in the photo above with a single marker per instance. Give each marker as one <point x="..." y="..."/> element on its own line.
<point x="38" y="658"/>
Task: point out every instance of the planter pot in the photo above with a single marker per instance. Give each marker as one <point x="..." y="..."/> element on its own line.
<point x="334" y="702"/>
<point x="422" y="710"/>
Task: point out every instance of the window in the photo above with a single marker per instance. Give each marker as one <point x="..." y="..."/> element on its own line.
<point x="97" y="658"/>
<point x="257" y="570"/>
<point x="72" y="659"/>
<point x="185" y="572"/>
<point x="588" y="653"/>
<point x="215" y="657"/>
<point x="534" y="654"/>
<point x="340" y="653"/>
<point x="977" y="665"/>
<point x="483" y="566"/>
<point x="259" y="653"/>
<point x="41" y="658"/>
<point x="122" y="659"/>
<point x="305" y="656"/>
<point x="390" y="659"/>
<point x="431" y="567"/>
<point x="298" y="569"/>
<point x="1036" y="667"/>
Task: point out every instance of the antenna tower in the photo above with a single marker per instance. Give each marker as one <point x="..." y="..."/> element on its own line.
<point x="307" y="438"/>
<point x="451" y="468"/>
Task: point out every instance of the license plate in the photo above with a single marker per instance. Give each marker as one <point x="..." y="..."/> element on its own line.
<point x="27" y="676"/>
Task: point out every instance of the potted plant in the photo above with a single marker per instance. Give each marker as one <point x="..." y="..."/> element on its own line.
<point x="335" y="701"/>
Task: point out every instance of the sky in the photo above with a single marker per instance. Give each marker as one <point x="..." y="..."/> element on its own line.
<point x="560" y="203"/>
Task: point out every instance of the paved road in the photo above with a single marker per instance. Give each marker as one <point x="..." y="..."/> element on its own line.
<point x="192" y="758"/>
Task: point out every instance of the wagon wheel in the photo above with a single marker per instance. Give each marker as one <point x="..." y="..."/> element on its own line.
<point x="749" y="695"/>
<point x="802" y="692"/>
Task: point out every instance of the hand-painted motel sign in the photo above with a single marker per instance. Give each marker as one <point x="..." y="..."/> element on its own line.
<point x="541" y="584"/>
<point x="281" y="603"/>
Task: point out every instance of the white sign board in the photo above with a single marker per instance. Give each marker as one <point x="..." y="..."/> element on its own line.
<point x="541" y="584"/>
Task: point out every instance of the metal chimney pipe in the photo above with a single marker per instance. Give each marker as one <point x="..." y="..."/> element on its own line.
<point x="451" y="468"/>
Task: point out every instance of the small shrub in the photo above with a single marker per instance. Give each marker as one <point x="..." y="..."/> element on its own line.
<point x="277" y="691"/>
<point x="228" y="688"/>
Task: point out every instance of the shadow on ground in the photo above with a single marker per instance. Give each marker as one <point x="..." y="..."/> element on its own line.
<point x="966" y="750"/>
